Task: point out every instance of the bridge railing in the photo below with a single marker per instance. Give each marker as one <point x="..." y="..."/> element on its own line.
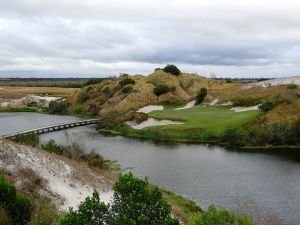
<point x="64" y="125"/>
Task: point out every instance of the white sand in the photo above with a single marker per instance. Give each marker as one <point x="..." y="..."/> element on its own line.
<point x="151" y="122"/>
<point x="244" y="109"/>
<point x="274" y="82"/>
<point x="214" y="102"/>
<point x="188" y="105"/>
<point x="150" y="108"/>
<point x="63" y="182"/>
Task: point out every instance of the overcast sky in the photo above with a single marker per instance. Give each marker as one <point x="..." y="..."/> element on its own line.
<point x="238" y="38"/>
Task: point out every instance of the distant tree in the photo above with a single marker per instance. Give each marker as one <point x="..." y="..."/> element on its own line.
<point x="201" y="95"/>
<point x="161" y="89"/>
<point x="172" y="69"/>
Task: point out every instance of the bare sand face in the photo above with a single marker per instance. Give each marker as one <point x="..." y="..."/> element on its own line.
<point x="150" y="108"/>
<point x="244" y="109"/>
<point x="151" y="122"/>
<point x="65" y="181"/>
<point x="188" y="105"/>
<point x="274" y="82"/>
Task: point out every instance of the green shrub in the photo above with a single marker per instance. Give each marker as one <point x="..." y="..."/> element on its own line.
<point x="161" y="89"/>
<point x="266" y="106"/>
<point x="16" y="206"/>
<point x="28" y="139"/>
<point x="126" y="81"/>
<point x="292" y="86"/>
<point x="201" y="95"/>
<point x="44" y="212"/>
<point x="172" y="69"/>
<point x="133" y="203"/>
<point x="58" y="107"/>
<point x="139" y="117"/>
<point x="246" y="101"/>
<point x="82" y="96"/>
<point x="51" y="146"/>
<point x="215" y="216"/>
<point x="128" y="88"/>
<point x="78" y="110"/>
<point x="233" y="137"/>
<point x="4" y="218"/>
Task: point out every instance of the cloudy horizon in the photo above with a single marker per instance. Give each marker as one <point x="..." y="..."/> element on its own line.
<point x="100" y="38"/>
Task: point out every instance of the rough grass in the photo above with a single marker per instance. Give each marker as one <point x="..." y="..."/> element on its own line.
<point x="19" y="92"/>
<point x="182" y="208"/>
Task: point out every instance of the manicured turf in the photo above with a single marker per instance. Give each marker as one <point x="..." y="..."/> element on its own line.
<point x="212" y="120"/>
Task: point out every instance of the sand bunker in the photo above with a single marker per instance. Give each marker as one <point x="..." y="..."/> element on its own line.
<point x="150" y="108"/>
<point x="151" y="122"/>
<point x="244" y="109"/>
<point x="188" y="105"/>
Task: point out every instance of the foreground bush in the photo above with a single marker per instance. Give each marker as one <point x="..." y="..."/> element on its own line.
<point x="133" y="203"/>
<point x="215" y="216"/>
<point x="172" y="69"/>
<point x="17" y="208"/>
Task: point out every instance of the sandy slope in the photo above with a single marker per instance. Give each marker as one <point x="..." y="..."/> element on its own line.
<point x="274" y="82"/>
<point x="65" y="181"/>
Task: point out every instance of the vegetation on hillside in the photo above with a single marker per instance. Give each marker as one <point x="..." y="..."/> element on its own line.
<point x="20" y="209"/>
<point x="172" y="69"/>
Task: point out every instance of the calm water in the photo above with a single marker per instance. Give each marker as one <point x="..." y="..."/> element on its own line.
<point x="265" y="185"/>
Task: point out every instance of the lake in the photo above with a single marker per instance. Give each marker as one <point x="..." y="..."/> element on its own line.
<point x="265" y="184"/>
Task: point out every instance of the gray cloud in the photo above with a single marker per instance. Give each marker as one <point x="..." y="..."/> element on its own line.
<point x="246" y="38"/>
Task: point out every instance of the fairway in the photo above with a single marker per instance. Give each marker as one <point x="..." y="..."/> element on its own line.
<point x="213" y="120"/>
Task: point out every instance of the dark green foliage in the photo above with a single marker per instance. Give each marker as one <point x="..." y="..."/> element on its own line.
<point x="172" y="69"/>
<point x="82" y="96"/>
<point x="28" y="139"/>
<point x="126" y="81"/>
<point x="128" y="88"/>
<point x="233" y="137"/>
<point x="266" y="106"/>
<point x="95" y="81"/>
<point x="91" y="212"/>
<point x="161" y="89"/>
<point x="134" y="203"/>
<point x="51" y="146"/>
<point x="76" y="109"/>
<point x="16" y="206"/>
<point x="58" y="107"/>
<point x="292" y="86"/>
<point x="215" y="216"/>
<point x="201" y="95"/>
<point x="246" y="101"/>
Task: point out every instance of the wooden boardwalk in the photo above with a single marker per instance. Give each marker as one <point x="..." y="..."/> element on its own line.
<point x="52" y="128"/>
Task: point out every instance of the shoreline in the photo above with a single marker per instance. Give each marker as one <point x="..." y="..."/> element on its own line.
<point x="190" y="141"/>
